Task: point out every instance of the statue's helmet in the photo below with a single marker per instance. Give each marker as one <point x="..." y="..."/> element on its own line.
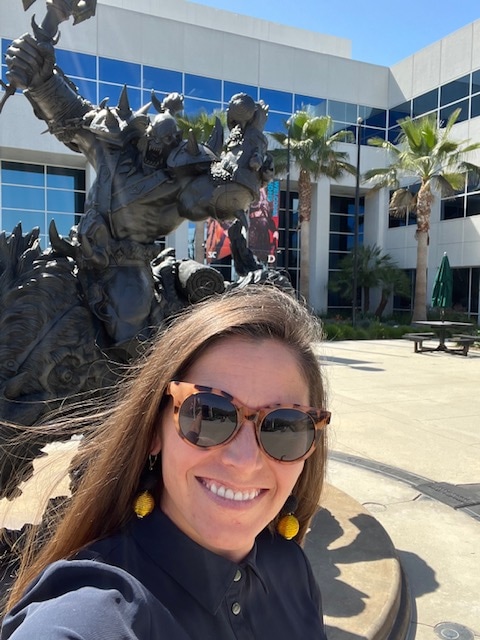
<point x="162" y="135"/>
<point x="164" y="130"/>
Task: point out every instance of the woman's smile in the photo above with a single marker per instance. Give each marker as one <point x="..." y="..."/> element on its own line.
<point x="222" y="491"/>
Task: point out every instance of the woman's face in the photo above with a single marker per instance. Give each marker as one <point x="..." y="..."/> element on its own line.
<point x="258" y="374"/>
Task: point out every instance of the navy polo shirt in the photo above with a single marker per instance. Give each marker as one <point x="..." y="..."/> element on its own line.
<point x="150" y="582"/>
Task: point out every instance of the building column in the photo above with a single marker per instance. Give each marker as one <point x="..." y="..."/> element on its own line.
<point x="319" y="243"/>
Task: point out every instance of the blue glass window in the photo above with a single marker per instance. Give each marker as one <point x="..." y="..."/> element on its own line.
<point x="162" y="80"/>
<point x="193" y="107"/>
<point x="63" y="178"/>
<point x="372" y="116"/>
<point x="277" y="100"/>
<point x="113" y="91"/>
<point x="424" y="103"/>
<point x="87" y="89"/>
<point x="4" y="45"/>
<point x="342" y="126"/>
<point x="318" y="105"/>
<point x="201" y="87"/>
<point x="473" y="204"/>
<point x="27" y="188"/>
<point x="342" y="111"/>
<point x="393" y="134"/>
<point x="394" y="221"/>
<point x="23" y="174"/>
<point x="342" y="223"/>
<point x="231" y="88"/>
<point x="454" y="90"/>
<point x="29" y="220"/>
<point x="23" y="198"/>
<point x="339" y="242"/>
<point x="59" y="200"/>
<point x="110" y="70"/>
<point x="399" y="112"/>
<point x="447" y="111"/>
<point x="277" y="122"/>
<point x="81" y="65"/>
<point x="452" y="208"/>
<point x="476" y="81"/>
<point x="475" y="106"/>
<point x="367" y="132"/>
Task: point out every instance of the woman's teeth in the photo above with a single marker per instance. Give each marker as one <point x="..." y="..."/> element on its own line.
<point x="229" y="494"/>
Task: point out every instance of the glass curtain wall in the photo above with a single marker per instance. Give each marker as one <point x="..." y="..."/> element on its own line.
<point x="35" y="194"/>
<point x="341" y="243"/>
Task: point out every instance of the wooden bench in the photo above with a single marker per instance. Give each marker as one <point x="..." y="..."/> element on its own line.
<point x="465" y="342"/>
<point x="418" y="339"/>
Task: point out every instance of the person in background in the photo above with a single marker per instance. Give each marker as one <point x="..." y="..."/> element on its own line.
<point x="197" y="486"/>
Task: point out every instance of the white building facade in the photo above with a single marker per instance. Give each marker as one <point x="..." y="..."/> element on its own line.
<point x="208" y="55"/>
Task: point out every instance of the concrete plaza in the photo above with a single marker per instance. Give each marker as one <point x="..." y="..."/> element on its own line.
<point x="405" y="445"/>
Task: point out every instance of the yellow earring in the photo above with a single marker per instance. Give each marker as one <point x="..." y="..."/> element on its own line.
<point x="144" y="502"/>
<point x="288" y="525"/>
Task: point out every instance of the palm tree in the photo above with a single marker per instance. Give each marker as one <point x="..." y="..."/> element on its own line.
<point x="374" y="269"/>
<point x="391" y="280"/>
<point x="425" y="154"/>
<point x="204" y="126"/>
<point x="310" y="143"/>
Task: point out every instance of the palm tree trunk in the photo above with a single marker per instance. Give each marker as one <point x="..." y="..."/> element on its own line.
<point x="420" y="301"/>
<point x="305" y="260"/>
<point x="304" y="211"/>
<point x="381" y="305"/>
<point x="424" y="208"/>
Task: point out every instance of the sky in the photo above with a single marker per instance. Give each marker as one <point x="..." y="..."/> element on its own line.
<point x="382" y="32"/>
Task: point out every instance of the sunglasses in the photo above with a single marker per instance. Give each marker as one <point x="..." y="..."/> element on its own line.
<point x="208" y="418"/>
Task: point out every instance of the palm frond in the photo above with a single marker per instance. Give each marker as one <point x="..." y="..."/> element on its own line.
<point x="449" y="184"/>
<point x="402" y="202"/>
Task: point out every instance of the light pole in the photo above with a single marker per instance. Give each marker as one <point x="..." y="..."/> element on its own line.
<point x="355" y="232"/>
<point x="287" y="199"/>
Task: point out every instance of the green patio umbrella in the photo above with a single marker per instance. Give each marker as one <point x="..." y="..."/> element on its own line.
<point x="443" y="286"/>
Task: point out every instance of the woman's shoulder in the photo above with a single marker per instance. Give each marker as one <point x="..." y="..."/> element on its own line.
<point x="272" y="545"/>
<point x="90" y="600"/>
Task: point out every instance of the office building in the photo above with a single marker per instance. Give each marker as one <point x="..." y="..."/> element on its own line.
<point x="208" y="55"/>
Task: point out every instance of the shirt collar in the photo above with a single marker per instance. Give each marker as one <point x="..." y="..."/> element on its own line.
<point x="187" y="562"/>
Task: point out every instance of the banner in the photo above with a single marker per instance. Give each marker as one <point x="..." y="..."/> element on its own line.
<point x="263" y="228"/>
<point x="262" y="231"/>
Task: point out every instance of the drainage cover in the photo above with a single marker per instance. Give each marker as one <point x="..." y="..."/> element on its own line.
<point x="453" y="631"/>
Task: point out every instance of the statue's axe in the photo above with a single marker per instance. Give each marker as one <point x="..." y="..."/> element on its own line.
<point x="58" y="11"/>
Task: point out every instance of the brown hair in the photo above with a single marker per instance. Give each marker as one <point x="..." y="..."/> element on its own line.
<point x="113" y="456"/>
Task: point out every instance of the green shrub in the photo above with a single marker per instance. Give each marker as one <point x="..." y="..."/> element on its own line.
<point x="365" y="330"/>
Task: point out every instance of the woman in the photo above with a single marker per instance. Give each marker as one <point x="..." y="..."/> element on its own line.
<point x="222" y="425"/>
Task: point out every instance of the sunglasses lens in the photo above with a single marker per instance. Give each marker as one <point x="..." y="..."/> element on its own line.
<point x="287" y="434"/>
<point x="207" y="419"/>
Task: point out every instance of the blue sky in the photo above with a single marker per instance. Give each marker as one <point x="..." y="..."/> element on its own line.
<point x="381" y="32"/>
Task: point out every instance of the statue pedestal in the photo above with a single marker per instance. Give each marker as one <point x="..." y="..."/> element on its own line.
<point x="355" y="563"/>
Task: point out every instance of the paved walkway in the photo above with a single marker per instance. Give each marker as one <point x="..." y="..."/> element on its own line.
<point x="405" y="444"/>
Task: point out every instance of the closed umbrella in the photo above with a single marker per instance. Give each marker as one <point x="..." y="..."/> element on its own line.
<point x="443" y="286"/>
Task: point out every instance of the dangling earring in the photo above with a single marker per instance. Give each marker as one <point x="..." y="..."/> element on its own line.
<point x="145" y="502"/>
<point x="288" y="525"/>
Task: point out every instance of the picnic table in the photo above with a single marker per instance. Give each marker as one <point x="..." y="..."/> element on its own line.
<point x="441" y="330"/>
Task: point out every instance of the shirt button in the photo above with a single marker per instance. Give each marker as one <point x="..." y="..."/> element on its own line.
<point x="236" y="608"/>
<point x="238" y="576"/>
